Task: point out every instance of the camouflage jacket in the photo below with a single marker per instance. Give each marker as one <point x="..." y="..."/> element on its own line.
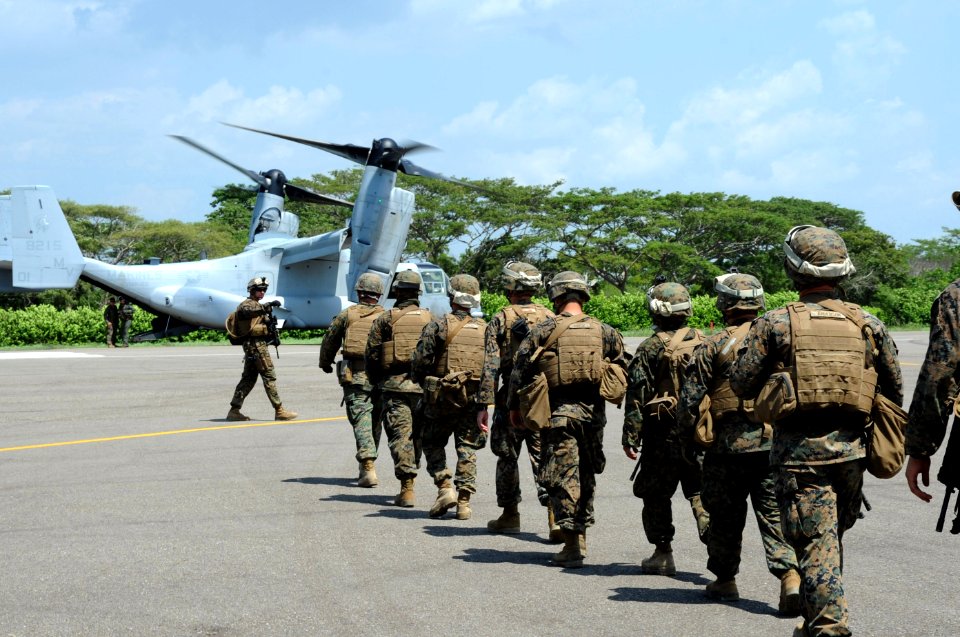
<point x="494" y="368"/>
<point x="820" y="437"/>
<point x="641" y="388"/>
<point x="576" y="405"/>
<point x="937" y="385"/>
<point x="332" y="341"/>
<point x="380" y="332"/>
<point x="430" y="346"/>
<point x="734" y="433"/>
<point x="253" y="311"/>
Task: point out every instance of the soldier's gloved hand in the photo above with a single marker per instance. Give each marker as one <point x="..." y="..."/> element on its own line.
<point x="327" y="369"/>
<point x="274" y="303"/>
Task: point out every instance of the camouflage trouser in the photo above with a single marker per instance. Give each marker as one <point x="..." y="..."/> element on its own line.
<point x="729" y="479"/>
<point x="573" y="456"/>
<point x="125" y="331"/>
<point x="817" y="505"/>
<point x="506" y="442"/>
<point x="110" y="340"/>
<point x="256" y="362"/>
<point x="664" y="465"/>
<point x="363" y="412"/>
<point x="467" y="437"/>
<point x="403" y="439"/>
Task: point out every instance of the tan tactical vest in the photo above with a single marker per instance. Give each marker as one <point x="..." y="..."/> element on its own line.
<point x="722" y="399"/>
<point x="830" y="368"/>
<point x="532" y="314"/>
<point x="359" y="320"/>
<point x="464" y="347"/>
<point x="578" y="357"/>
<point x="241" y="328"/>
<point x="406" y="324"/>
<point x="677" y="352"/>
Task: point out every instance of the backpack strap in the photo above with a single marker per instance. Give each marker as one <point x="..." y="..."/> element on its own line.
<point x="563" y="322"/>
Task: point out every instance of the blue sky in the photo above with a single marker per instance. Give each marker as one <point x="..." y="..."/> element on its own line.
<point x="850" y="102"/>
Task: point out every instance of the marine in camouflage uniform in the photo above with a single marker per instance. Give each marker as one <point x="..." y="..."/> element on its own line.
<point x="736" y="467"/>
<point x="110" y="317"/>
<point x="251" y="315"/>
<point x="399" y="393"/>
<point x="521" y="281"/>
<point x="668" y="456"/>
<point x="573" y="441"/>
<point x="933" y="398"/>
<point x="363" y="408"/>
<point x="819" y="450"/>
<point x="433" y="361"/>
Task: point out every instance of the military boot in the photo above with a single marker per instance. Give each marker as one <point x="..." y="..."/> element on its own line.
<point x="406" y="497"/>
<point x="800" y="630"/>
<point x="724" y="590"/>
<point x="446" y="498"/>
<point x="582" y="540"/>
<point x="234" y="414"/>
<point x="790" y="594"/>
<point x="556" y="533"/>
<point x="701" y="516"/>
<point x="570" y="555"/>
<point x="508" y="522"/>
<point x="283" y="414"/>
<point x="463" y="505"/>
<point x="368" y="474"/>
<point x="661" y="562"/>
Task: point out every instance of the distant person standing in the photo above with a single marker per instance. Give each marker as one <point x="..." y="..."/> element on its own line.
<point x="251" y="327"/>
<point x="126" y="319"/>
<point x="110" y="316"/>
<point x="350" y="329"/>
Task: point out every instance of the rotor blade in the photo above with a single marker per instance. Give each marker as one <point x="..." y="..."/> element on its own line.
<point x="411" y="146"/>
<point x="299" y="193"/>
<point x="409" y="168"/>
<point x="352" y="152"/>
<point x="257" y="177"/>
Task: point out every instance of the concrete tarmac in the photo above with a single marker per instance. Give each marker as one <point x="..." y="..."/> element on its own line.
<point x="128" y="506"/>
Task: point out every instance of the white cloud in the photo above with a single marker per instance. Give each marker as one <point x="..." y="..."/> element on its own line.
<point x="863" y="54"/>
<point x="482" y="11"/>
<point x="223" y="101"/>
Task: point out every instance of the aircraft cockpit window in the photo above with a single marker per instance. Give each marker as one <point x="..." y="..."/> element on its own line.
<point x="269" y="221"/>
<point x="433" y="282"/>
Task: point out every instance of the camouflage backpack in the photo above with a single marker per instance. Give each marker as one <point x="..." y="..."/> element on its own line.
<point x="677" y="352"/>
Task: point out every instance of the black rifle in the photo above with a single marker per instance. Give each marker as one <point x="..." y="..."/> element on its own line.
<point x="949" y="475"/>
<point x="273" y="334"/>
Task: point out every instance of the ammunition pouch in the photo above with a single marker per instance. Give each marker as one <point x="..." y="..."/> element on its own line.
<point x="885" y="438"/>
<point x="346" y="368"/>
<point x="455" y="389"/>
<point x="431" y="390"/>
<point x="535" y="403"/>
<point x="777" y="399"/>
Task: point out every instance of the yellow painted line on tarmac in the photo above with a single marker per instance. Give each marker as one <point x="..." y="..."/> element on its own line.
<point x="170" y="433"/>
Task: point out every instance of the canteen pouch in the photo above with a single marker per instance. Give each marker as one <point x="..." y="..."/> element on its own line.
<point x="613" y="383"/>
<point x="885" y="438"/>
<point x="777" y="398"/>
<point x="454" y="389"/>
<point x="535" y="403"/>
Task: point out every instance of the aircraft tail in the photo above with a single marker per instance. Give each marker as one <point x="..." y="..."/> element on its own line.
<point x="37" y="250"/>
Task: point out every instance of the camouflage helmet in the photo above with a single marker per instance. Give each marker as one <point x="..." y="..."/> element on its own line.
<point x="258" y="283"/>
<point x="739" y="292"/>
<point x="669" y="299"/>
<point x="518" y="276"/>
<point x="465" y="290"/>
<point x="816" y="255"/>
<point x="567" y="282"/>
<point x="405" y="280"/>
<point x="369" y="283"/>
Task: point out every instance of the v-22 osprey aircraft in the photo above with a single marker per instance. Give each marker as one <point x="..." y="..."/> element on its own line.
<point x="312" y="277"/>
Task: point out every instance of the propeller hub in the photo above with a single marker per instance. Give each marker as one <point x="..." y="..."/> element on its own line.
<point x="276" y="180"/>
<point x="385" y="153"/>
